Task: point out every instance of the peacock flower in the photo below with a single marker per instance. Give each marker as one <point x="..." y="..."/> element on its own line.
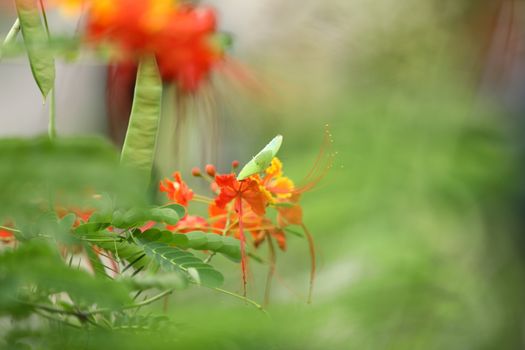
<point x="190" y="223"/>
<point x="248" y="191"/>
<point x="177" y="190"/>
<point x="185" y="49"/>
<point x="281" y="187"/>
<point x="180" y="36"/>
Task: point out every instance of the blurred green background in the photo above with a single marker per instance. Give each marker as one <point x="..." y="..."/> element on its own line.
<point x="417" y="225"/>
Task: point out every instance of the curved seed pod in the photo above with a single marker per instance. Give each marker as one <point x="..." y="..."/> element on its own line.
<point x="34" y="34"/>
<point x="139" y="145"/>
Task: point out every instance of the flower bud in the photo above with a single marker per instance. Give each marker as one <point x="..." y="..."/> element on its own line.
<point x="196" y="171"/>
<point x="235" y="164"/>
<point x="210" y="170"/>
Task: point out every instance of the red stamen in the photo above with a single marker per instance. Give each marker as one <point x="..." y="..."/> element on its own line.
<point x="311" y="247"/>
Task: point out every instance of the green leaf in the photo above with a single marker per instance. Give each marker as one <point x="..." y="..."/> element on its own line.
<point x="197" y="240"/>
<point x="96" y="263"/>
<point x="181" y="211"/>
<point x="166" y="215"/>
<point x="227" y="246"/>
<point x="126" y="251"/>
<point x="139" y="216"/>
<point x="172" y="258"/>
<point x="91" y="227"/>
<point x="160" y="280"/>
<point x="67" y="221"/>
<point x="139" y="145"/>
<point x="33" y="32"/>
<point x="231" y="249"/>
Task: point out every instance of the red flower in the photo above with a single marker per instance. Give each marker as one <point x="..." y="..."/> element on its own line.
<point x="82" y="215"/>
<point x="6" y="235"/>
<point x="248" y="190"/>
<point x="177" y="191"/>
<point x="179" y="35"/>
<point x="190" y="223"/>
<point x="184" y="48"/>
<point x="291" y="214"/>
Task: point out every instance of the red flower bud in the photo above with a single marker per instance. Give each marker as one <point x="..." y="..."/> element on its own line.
<point x="196" y="171"/>
<point x="235" y="164"/>
<point x="210" y="170"/>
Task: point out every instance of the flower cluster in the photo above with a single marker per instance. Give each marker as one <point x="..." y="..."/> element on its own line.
<point x="240" y="207"/>
<point x="181" y="36"/>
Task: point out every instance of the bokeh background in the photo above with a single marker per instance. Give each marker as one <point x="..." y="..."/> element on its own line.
<point x="418" y="223"/>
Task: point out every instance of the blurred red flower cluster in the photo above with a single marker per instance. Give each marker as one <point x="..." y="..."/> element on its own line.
<point x="180" y="36"/>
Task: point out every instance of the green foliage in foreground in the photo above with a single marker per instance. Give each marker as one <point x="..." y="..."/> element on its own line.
<point x="64" y="271"/>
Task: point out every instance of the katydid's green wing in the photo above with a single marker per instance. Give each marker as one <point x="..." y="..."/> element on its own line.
<point x="262" y="160"/>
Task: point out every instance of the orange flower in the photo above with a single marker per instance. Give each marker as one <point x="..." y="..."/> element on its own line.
<point x="258" y="226"/>
<point x="6" y="235"/>
<point x="278" y="185"/>
<point x="248" y="190"/>
<point x="181" y="36"/>
<point x="292" y="215"/>
<point x="184" y="48"/>
<point x="82" y="215"/>
<point x="177" y="191"/>
<point x="190" y="223"/>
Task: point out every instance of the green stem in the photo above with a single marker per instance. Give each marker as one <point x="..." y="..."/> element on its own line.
<point x="99" y="240"/>
<point x="51" y="318"/>
<point x="238" y="296"/>
<point x="209" y="257"/>
<point x="52" y="106"/>
<point x="9" y="229"/>
<point x="52" y="116"/>
<point x="83" y="315"/>
<point x="11" y="35"/>
<point x="150" y="300"/>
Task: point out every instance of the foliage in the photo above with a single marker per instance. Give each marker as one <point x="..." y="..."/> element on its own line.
<point x="83" y="244"/>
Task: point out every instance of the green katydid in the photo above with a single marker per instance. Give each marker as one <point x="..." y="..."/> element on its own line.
<point x="262" y="160"/>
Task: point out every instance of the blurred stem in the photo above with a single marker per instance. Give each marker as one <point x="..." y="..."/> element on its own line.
<point x="9" y="229"/>
<point x="52" y="107"/>
<point x="11" y="35"/>
<point x="238" y="296"/>
<point x="55" y="319"/>
<point x="271" y="271"/>
<point x="311" y="247"/>
<point x="83" y="315"/>
<point x="209" y="257"/>
<point x="52" y="116"/>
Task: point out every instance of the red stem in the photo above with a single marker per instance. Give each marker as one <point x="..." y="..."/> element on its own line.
<point x="311" y="247"/>
<point x="243" y="247"/>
